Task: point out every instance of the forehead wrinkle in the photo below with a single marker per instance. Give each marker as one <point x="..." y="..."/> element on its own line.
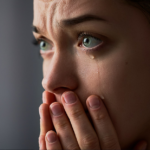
<point x="65" y="6"/>
<point x="39" y="15"/>
<point x="53" y="25"/>
<point x="72" y="8"/>
<point x="50" y="18"/>
<point x="66" y="9"/>
<point x="44" y="16"/>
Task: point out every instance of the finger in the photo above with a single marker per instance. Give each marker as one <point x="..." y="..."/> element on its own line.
<point x="142" y="145"/>
<point x="85" y="134"/>
<point x="45" y="124"/>
<point x="45" y="119"/>
<point x="102" y="123"/>
<point x="63" y="127"/>
<point x="52" y="141"/>
<point x="48" y="97"/>
<point x="42" y="144"/>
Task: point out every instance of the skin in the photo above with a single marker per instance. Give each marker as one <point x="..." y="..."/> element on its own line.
<point x="118" y="74"/>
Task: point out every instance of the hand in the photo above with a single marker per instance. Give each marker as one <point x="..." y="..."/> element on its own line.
<point x="45" y="119"/>
<point x="77" y="131"/>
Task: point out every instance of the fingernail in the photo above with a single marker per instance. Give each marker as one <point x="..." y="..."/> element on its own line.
<point x="94" y="103"/>
<point x="70" y="97"/>
<point x="56" y="109"/>
<point x="51" y="137"/>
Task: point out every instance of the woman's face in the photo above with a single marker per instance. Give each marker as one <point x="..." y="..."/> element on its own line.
<point x="98" y="47"/>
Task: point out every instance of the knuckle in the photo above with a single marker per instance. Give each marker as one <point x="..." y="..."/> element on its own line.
<point x="76" y="114"/>
<point x="90" y="142"/>
<point x="61" y="124"/>
<point x="72" y="146"/>
<point x="99" y="117"/>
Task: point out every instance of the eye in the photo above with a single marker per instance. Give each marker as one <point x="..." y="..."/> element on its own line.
<point x="89" y="41"/>
<point x="44" y="46"/>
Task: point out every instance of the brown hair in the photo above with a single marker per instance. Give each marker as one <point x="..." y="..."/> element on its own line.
<point x="144" y="4"/>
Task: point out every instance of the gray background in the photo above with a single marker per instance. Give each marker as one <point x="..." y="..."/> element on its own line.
<point x="20" y="77"/>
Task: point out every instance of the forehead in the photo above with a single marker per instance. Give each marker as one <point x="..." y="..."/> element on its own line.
<point x="62" y="8"/>
<point x="49" y="13"/>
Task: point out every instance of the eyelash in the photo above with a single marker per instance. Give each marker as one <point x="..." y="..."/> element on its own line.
<point x="80" y="38"/>
<point x="82" y="34"/>
<point x="36" y="43"/>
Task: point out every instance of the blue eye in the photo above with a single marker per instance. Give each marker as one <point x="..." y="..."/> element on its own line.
<point x="44" y="46"/>
<point x="91" y="42"/>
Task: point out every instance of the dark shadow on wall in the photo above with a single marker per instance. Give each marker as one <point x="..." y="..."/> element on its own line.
<point x="20" y="77"/>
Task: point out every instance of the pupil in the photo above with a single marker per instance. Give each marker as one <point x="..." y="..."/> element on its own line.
<point x="86" y="40"/>
<point x="43" y="44"/>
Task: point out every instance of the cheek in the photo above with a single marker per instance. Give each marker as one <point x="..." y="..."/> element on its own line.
<point x="46" y="66"/>
<point x="112" y="77"/>
<point x="113" y="81"/>
<point x="88" y="74"/>
<point x="124" y="80"/>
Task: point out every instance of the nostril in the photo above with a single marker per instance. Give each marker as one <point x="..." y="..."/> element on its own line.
<point x="53" y="89"/>
<point x="61" y="90"/>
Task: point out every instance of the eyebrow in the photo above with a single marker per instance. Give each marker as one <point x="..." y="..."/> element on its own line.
<point x="73" y="21"/>
<point x="80" y="19"/>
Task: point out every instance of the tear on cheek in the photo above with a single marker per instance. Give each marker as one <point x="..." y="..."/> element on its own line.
<point x="92" y="56"/>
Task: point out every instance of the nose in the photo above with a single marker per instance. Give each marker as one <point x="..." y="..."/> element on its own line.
<point x="59" y="74"/>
